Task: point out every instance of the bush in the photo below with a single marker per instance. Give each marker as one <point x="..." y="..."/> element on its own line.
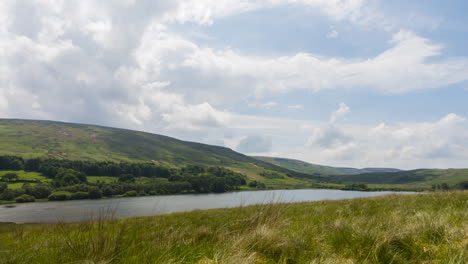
<point x="130" y="194"/>
<point x="95" y="192"/>
<point x="80" y="195"/>
<point x="3" y="186"/>
<point x="60" y="196"/>
<point x="25" y="198"/>
<point x="10" y="177"/>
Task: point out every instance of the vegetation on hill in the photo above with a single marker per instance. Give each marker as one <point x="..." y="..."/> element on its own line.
<point x="67" y="180"/>
<point x="424" y="228"/>
<point x="48" y="139"/>
<point x="426" y="177"/>
<point x="320" y="170"/>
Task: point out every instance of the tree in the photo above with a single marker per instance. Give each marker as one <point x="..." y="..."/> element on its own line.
<point x="3" y="186"/>
<point x="95" y="192"/>
<point x="126" y="178"/>
<point x="445" y="186"/>
<point x="9" y="177"/>
<point x="67" y="177"/>
<point x="463" y="185"/>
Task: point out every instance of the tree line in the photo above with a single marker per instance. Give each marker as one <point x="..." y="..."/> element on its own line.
<point x="69" y="179"/>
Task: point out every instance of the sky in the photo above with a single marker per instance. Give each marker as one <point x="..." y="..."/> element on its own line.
<point x="355" y="83"/>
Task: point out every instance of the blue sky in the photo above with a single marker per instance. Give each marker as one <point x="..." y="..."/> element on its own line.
<point x="360" y="83"/>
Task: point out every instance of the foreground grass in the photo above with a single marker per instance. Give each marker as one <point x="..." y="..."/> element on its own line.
<point x="424" y="228"/>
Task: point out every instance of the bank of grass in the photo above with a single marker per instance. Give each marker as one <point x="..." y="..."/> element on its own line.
<point x="423" y="228"/>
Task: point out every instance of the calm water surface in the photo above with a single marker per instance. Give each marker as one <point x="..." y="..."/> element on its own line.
<point x="82" y="210"/>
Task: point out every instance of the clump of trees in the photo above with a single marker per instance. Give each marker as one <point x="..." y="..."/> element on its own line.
<point x="10" y="177"/>
<point x="356" y="187"/>
<point x="446" y="187"/>
<point x="69" y="179"/>
<point x="257" y="184"/>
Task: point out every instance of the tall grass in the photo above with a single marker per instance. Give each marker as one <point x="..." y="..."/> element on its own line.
<point x="424" y="228"/>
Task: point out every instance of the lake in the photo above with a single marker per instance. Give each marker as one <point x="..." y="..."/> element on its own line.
<point x="82" y="210"/>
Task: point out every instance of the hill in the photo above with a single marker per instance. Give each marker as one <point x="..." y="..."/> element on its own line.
<point x="424" y="228"/>
<point x="33" y="138"/>
<point x="309" y="168"/>
<point x="420" y="177"/>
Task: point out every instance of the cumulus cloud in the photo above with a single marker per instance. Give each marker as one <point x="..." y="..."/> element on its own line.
<point x="328" y="137"/>
<point x="255" y="144"/>
<point x="123" y="63"/>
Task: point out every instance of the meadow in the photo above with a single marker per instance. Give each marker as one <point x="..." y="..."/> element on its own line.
<point x="422" y="228"/>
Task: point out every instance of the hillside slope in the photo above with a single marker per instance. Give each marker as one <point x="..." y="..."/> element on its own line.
<point x="309" y="168"/>
<point x="421" y="176"/>
<point x="31" y="138"/>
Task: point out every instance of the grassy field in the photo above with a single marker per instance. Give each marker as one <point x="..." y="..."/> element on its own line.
<point x="26" y="175"/>
<point x="424" y="228"/>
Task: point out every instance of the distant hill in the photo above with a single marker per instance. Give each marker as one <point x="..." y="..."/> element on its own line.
<point x="421" y="176"/>
<point x="32" y="138"/>
<point x="309" y="168"/>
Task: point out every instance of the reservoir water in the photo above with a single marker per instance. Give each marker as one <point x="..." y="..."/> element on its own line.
<point x="82" y="210"/>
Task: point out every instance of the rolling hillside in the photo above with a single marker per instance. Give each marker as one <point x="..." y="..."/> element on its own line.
<point x="31" y="138"/>
<point x="309" y="168"/>
<point x="420" y="177"/>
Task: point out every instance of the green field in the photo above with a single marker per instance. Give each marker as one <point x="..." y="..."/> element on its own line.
<point x="26" y="176"/>
<point x="423" y="228"/>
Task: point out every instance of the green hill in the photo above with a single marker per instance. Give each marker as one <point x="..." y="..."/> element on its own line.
<point x="420" y="177"/>
<point x="309" y="168"/>
<point x="32" y="138"/>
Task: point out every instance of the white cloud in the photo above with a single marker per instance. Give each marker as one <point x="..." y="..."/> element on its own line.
<point x="340" y="112"/>
<point x="298" y="106"/>
<point x="328" y="137"/>
<point x="254" y="144"/>
<point x="267" y="105"/>
<point x="120" y="63"/>
<point x="332" y="34"/>
<point x="402" y="68"/>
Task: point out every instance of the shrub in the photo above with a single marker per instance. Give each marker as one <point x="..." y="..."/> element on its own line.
<point x="25" y="198"/>
<point x="130" y="194"/>
<point x="80" y="195"/>
<point x="95" y="192"/>
<point x="10" y="177"/>
<point x="60" y="196"/>
<point x="3" y="186"/>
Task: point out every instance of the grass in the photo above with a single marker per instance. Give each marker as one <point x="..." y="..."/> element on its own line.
<point x="424" y="228"/>
<point x="17" y="185"/>
<point x="26" y="175"/>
